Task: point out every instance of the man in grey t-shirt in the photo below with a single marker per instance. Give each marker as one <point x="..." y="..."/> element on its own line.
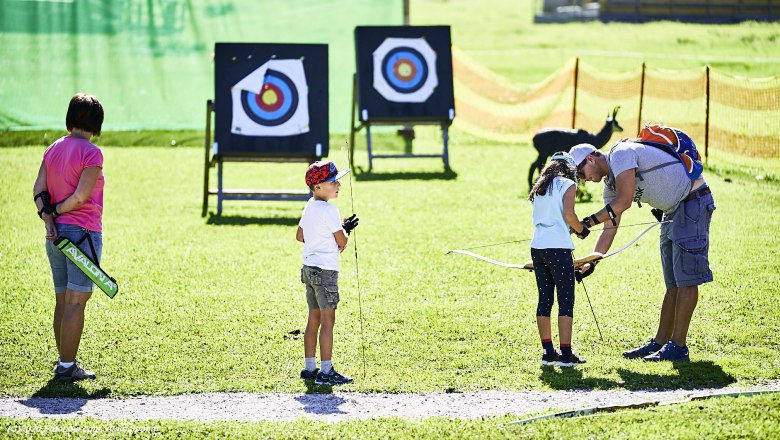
<point x="634" y="172"/>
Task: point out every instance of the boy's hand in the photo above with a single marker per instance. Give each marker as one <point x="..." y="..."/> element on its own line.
<point x="350" y="223"/>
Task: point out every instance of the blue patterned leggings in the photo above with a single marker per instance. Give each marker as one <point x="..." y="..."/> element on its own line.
<point x="554" y="268"/>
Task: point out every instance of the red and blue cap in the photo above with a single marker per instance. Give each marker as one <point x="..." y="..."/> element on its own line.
<point x="323" y="171"/>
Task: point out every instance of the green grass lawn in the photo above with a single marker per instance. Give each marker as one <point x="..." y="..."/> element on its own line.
<point x="209" y="304"/>
<point x="213" y="304"/>
<point x="717" y="418"/>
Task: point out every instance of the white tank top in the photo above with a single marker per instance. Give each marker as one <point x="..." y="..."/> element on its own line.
<point x="550" y="228"/>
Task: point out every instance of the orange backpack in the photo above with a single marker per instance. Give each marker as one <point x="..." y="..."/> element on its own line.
<point x="674" y="142"/>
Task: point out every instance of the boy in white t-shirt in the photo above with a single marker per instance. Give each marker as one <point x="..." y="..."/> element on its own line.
<point x="552" y="197"/>
<point x="324" y="237"/>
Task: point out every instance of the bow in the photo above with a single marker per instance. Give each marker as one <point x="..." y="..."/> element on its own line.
<point x="489" y="260"/>
<point x="590" y="258"/>
<point x="624" y="247"/>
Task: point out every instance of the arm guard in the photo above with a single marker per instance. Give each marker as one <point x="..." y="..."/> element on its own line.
<point x="46" y="199"/>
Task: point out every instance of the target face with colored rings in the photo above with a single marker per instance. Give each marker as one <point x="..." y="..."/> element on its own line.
<point x="272" y="100"/>
<point x="275" y="103"/>
<point x="405" y="69"/>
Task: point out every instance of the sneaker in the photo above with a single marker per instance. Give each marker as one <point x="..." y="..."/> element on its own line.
<point x="332" y="378"/>
<point x="645" y="350"/>
<point x="550" y="358"/>
<point x="670" y="352"/>
<point x="570" y="361"/>
<point x="309" y="375"/>
<point x="74" y="372"/>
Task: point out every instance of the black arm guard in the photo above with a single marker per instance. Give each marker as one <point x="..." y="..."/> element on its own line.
<point x="590" y="221"/>
<point x="611" y="214"/>
<point x="46" y="199"/>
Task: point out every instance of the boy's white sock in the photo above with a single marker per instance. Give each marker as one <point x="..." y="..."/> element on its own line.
<point x="66" y="364"/>
<point x="326" y="366"/>
<point x="311" y="363"/>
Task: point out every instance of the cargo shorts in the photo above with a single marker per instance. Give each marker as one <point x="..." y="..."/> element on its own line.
<point x="322" y="287"/>
<point x="685" y="243"/>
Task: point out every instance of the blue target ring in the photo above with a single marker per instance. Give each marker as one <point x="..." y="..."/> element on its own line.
<point x="405" y="69"/>
<point x="275" y="104"/>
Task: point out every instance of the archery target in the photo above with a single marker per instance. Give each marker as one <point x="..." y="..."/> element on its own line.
<point x="271" y="101"/>
<point x="405" y="69"/>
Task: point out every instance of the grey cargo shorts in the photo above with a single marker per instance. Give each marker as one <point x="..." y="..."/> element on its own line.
<point x="322" y="287"/>
<point x="685" y="243"/>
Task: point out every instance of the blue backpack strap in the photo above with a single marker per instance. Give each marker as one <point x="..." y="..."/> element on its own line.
<point x="693" y="168"/>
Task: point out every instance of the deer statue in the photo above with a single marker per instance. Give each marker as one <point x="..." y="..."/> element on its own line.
<point x="550" y="140"/>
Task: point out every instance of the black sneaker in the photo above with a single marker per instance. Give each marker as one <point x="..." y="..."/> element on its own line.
<point x="570" y="361"/>
<point x="670" y="352"/>
<point x="550" y="358"/>
<point x="74" y="372"/>
<point x="645" y="350"/>
<point x="309" y="375"/>
<point x="332" y="378"/>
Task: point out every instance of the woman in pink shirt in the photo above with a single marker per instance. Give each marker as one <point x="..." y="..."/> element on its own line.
<point x="68" y="194"/>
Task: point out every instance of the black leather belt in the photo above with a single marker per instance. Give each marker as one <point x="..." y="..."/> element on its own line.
<point x="701" y="192"/>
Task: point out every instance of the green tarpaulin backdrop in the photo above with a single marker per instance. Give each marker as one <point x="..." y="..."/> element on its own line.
<point x="150" y="61"/>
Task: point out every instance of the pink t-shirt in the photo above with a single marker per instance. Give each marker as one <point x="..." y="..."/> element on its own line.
<point x="65" y="160"/>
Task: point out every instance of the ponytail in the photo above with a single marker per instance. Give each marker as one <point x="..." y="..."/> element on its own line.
<point x="556" y="168"/>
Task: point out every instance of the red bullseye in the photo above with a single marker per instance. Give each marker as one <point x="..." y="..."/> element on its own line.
<point x="270" y="98"/>
<point x="404" y="69"/>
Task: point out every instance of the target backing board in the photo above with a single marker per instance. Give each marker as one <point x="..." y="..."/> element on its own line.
<point x="404" y="73"/>
<point x="271" y="100"/>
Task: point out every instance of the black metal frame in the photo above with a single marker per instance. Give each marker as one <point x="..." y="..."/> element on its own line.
<point x="368" y="122"/>
<point x="212" y="160"/>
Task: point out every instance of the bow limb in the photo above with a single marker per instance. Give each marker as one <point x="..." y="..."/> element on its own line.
<point x="624" y="247"/>
<point x="486" y="259"/>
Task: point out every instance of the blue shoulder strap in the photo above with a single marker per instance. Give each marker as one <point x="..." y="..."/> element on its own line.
<point x="696" y="169"/>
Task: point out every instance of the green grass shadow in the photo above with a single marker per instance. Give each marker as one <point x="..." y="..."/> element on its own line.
<point x="240" y="220"/>
<point x="56" y="388"/>
<point x="692" y="375"/>
<point x="362" y="175"/>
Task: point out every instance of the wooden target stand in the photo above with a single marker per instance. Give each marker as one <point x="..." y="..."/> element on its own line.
<point x="213" y="159"/>
<point x="366" y="122"/>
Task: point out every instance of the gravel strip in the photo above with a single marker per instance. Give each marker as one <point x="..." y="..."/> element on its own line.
<point x="339" y="406"/>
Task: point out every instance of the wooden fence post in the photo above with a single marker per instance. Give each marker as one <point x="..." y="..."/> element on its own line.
<point x="574" y="104"/>
<point x="641" y="99"/>
<point x="707" y="112"/>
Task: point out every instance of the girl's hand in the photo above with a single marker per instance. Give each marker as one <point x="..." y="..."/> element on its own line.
<point x="584" y="270"/>
<point x="584" y="233"/>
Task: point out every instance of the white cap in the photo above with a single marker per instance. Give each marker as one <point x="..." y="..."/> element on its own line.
<point x="566" y="157"/>
<point x="580" y="152"/>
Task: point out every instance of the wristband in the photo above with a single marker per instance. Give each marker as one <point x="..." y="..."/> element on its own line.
<point x="612" y="214"/>
<point x="590" y="221"/>
<point x="586" y="222"/>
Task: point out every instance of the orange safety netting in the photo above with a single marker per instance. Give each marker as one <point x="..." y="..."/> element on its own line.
<point x="744" y="113"/>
